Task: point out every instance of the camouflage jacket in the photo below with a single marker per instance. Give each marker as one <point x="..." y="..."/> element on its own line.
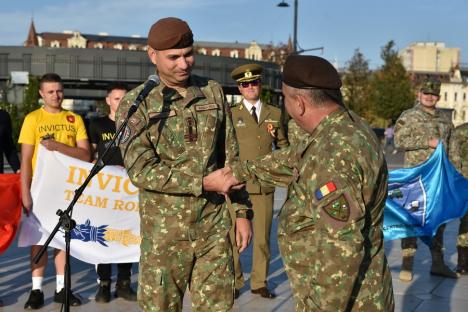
<point x="460" y="136"/>
<point x="415" y="127"/>
<point x="169" y="145"/>
<point x="337" y="186"/>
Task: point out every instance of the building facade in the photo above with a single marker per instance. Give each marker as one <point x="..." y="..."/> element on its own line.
<point x="75" y="39"/>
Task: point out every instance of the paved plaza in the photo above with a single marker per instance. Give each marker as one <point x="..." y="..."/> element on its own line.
<point x="425" y="293"/>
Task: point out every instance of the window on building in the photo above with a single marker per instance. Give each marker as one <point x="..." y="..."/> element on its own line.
<point x="445" y="96"/>
<point x="55" y="44"/>
<point x="455" y="97"/>
<point x="234" y="53"/>
<point x="454" y="114"/>
<point x="202" y="51"/>
<point x="464" y="96"/>
<point x="216" y="52"/>
<point x="464" y="115"/>
<point x="118" y="46"/>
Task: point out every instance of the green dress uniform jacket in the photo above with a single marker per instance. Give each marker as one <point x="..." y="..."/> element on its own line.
<point x="169" y="145"/>
<point x="257" y="140"/>
<point x="330" y="229"/>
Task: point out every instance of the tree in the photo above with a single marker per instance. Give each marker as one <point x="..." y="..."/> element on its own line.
<point x="391" y="91"/>
<point x="356" y="82"/>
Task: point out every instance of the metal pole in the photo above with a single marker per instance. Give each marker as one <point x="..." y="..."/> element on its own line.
<point x="295" y="26"/>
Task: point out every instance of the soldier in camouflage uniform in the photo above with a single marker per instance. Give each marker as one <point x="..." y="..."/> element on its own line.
<point x="418" y="131"/>
<point x="180" y="133"/>
<point x="461" y="137"/>
<point x="330" y="227"/>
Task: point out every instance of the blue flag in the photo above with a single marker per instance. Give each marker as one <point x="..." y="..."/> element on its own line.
<point x="422" y="198"/>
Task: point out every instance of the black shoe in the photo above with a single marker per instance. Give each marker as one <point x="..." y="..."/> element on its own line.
<point x="35" y="300"/>
<point x="104" y="294"/>
<point x="123" y="290"/>
<point x="59" y="297"/>
<point x="236" y="293"/>
<point x="264" y="292"/>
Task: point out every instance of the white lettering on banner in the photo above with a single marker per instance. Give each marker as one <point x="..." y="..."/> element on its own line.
<point x="106" y="213"/>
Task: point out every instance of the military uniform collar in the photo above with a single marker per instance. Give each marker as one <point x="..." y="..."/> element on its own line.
<point x="192" y="92"/>
<point x="340" y="113"/>
<point x="248" y="106"/>
<point x="435" y="112"/>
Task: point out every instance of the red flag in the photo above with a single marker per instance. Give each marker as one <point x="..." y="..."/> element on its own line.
<point x="10" y="208"/>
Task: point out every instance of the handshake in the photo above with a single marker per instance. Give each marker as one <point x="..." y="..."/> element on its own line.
<point x="221" y="181"/>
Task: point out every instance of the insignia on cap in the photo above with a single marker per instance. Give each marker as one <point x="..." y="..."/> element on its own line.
<point x="326" y="189"/>
<point x="248" y="74"/>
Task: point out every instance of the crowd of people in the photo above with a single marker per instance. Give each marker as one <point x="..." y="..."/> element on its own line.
<point x="206" y="173"/>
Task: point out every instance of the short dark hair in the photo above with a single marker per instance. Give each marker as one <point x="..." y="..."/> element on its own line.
<point x="116" y="86"/>
<point x="50" y="77"/>
<point x="320" y="96"/>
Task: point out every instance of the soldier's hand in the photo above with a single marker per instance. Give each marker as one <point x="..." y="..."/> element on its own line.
<point x="433" y="143"/>
<point x="243" y="233"/>
<point x="220" y="181"/>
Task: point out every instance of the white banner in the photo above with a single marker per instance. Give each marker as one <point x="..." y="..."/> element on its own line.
<point x="107" y="219"/>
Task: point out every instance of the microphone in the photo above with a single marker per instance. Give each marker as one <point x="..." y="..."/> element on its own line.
<point x="152" y="82"/>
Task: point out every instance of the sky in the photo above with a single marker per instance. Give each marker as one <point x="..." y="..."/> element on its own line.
<point x="339" y="26"/>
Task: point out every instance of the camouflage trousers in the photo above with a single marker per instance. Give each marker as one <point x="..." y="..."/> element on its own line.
<point x="315" y="291"/>
<point x="169" y="266"/>
<point x="462" y="239"/>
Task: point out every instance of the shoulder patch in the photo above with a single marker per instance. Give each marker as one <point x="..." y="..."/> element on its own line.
<point x="338" y="209"/>
<point x="324" y="190"/>
<point x="125" y="135"/>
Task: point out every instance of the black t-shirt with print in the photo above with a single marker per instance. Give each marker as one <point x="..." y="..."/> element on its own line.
<point x="101" y="132"/>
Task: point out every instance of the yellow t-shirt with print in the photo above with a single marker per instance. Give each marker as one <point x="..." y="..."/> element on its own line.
<point x="65" y="127"/>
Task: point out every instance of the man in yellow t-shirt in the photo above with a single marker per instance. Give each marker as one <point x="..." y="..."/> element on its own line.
<point x="57" y="130"/>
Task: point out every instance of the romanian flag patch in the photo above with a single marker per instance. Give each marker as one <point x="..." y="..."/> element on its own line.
<point x="323" y="191"/>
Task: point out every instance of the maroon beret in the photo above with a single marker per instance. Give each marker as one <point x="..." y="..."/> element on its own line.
<point x="310" y="72"/>
<point x="170" y="33"/>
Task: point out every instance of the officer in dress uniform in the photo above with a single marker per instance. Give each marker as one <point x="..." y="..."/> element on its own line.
<point x="258" y="130"/>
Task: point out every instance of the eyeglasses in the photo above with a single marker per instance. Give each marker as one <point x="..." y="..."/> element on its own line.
<point x="253" y="83"/>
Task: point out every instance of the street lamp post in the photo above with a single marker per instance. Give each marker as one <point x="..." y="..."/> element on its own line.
<point x="284" y="4"/>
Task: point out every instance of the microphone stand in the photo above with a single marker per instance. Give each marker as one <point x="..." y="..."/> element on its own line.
<point x="65" y="217"/>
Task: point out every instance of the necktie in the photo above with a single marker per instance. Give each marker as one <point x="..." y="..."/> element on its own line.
<point x="254" y="114"/>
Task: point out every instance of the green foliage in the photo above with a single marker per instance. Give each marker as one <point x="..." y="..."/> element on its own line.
<point x="266" y="96"/>
<point x="31" y="102"/>
<point x="390" y="89"/>
<point x="102" y="108"/>
<point x="356" y="82"/>
<point x="31" y="96"/>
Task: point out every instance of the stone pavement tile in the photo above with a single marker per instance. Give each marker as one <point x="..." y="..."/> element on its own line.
<point x="453" y="289"/>
<point x="437" y="304"/>
<point x="406" y="303"/>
